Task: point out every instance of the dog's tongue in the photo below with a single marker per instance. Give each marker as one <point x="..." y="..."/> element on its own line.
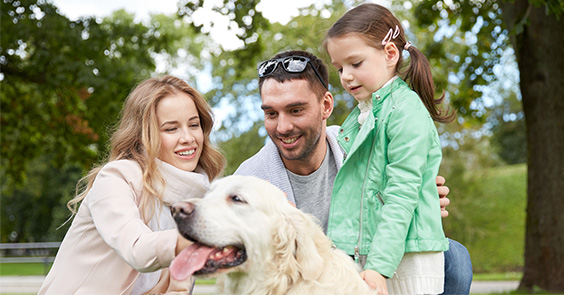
<point x="189" y="261"/>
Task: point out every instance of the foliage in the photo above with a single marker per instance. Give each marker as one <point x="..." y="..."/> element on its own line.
<point x="63" y="85"/>
<point x="510" y="138"/>
<point x="246" y="145"/>
<point x="466" y="44"/>
<point x="57" y="78"/>
<point x="23" y="219"/>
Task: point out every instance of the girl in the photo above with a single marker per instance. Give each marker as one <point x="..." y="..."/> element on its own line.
<point x="387" y="181"/>
<point x="123" y="237"/>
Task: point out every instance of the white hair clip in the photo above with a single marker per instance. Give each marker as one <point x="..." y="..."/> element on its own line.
<point x="407" y="45"/>
<point x="391" y="35"/>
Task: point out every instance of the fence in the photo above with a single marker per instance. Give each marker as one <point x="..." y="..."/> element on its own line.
<point x="29" y="253"/>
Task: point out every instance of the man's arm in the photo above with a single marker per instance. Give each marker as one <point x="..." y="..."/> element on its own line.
<point x="443" y="192"/>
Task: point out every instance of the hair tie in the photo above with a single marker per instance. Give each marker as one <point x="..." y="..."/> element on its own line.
<point x="407" y="45"/>
<point x="391" y="35"/>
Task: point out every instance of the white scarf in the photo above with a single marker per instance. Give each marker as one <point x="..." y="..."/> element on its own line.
<point x="179" y="186"/>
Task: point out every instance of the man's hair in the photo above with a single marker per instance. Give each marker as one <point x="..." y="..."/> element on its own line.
<point x="308" y="74"/>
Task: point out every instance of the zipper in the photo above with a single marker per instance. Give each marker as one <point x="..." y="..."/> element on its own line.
<point x="357" y="248"/>
<point x="379" y="195"/>
<point x="356" y="254"/>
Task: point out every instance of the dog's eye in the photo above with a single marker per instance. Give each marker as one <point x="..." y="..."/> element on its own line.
<point x="236" y="199"/>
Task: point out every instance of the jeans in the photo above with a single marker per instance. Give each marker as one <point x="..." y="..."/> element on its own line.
<point x="458" y="269"/>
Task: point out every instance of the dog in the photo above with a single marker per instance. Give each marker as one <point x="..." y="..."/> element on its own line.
<point x="254" y="241"/>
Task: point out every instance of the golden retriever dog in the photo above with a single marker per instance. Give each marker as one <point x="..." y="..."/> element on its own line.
<point x="246" y="233"/>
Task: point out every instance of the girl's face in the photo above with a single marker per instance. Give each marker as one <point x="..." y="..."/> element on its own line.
<point x="362" y="68"/>
<point x="182" y="137"/>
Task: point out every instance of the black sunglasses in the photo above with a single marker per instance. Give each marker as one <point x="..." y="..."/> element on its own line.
<point x="291" y="64"/>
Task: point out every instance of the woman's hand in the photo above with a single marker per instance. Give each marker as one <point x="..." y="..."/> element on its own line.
<point x="375" y="281"/>
<point x="181" y="244"/>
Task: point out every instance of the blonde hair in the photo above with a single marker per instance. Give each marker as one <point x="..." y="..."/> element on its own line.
<point x="137" y="138"/>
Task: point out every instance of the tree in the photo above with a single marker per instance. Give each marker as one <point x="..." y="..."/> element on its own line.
<point x="534" y="27"/>
<point x="535" y="31"/>
<point x="63" y="86"/>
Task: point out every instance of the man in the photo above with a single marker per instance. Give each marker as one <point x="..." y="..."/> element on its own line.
<point x="303" y="156"/>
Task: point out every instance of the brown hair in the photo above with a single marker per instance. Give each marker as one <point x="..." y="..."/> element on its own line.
<point x="308" y="74"/>
<point x="373" y="22"/>
<point x="137" y="138"/>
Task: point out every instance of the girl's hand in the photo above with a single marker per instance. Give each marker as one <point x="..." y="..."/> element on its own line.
<point x="375" y="281"/>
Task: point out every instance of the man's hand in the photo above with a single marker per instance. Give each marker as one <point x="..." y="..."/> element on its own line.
<point x="375" y="281"/>
<point x="443" y="192"/>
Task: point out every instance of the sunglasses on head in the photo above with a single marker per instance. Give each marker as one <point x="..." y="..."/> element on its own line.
<point x="291" y="64"/>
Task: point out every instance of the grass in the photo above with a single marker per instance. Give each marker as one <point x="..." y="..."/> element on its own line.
<point x="38" y="269"/>
<point x="487" y="215"/>
<point x="505" y="276"/>
<point x="205" y="282"/>
<point x="24" y="269"/>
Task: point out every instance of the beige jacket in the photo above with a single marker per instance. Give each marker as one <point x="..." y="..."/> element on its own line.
<point x="108" y="244"/>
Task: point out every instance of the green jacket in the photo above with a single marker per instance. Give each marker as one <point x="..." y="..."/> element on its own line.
<point x="389" y="171"/>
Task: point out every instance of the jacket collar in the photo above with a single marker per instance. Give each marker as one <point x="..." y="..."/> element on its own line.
<point x="382" y="94"/>
<point x="382" y="100"/>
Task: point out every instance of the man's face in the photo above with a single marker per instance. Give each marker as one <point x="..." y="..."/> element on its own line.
<point x="294" y="118"/>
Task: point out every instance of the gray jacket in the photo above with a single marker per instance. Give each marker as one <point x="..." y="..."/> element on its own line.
<point x="268" y="165"/>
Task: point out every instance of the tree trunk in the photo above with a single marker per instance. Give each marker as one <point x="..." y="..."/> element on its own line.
<point x="540" y="56"/>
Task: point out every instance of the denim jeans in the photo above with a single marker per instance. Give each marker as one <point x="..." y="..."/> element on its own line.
<point x="458" y="269"/>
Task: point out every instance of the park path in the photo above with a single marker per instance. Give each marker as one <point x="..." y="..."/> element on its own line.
<point x="31" y="284"/>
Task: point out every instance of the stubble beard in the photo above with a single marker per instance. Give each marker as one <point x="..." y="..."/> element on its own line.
<point x="306" y="151"/>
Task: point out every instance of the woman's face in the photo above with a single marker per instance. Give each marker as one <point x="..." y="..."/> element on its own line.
<point x="182" y="137"/>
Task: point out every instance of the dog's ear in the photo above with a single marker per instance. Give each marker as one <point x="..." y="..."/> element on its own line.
<point x="309" y="237"/>
<point x="284" y="266"/>
<point x="296" y="243"/>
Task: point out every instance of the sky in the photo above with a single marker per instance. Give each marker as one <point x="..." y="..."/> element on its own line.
<point x="274" y="10"/>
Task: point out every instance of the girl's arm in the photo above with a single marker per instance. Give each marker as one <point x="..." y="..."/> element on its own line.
<point x="408" y="144"/>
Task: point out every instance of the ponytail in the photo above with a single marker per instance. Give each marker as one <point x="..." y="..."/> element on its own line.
<point x="418" y="76"/>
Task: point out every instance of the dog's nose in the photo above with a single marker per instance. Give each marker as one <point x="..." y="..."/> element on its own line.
<point x="182" y="208"/>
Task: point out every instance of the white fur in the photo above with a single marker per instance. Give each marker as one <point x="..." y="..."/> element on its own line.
<point x="286" y="248"/>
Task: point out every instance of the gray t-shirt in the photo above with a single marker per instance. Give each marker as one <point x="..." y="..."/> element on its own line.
<point x="313" y="192"/>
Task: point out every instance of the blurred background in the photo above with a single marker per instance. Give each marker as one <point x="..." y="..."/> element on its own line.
<point x="66" y="68"/>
